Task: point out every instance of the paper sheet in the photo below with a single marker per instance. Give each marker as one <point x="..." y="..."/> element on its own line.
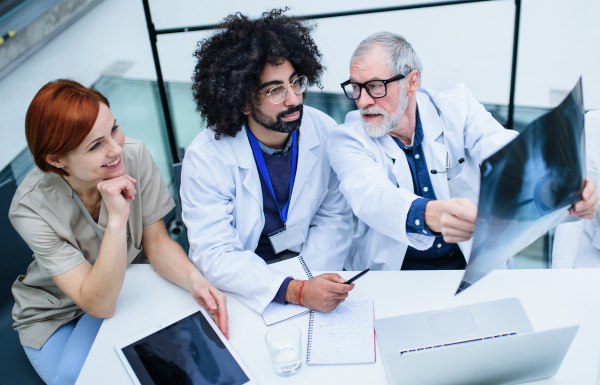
<point x="344" y="335"/>
<point x="528" y="186"/>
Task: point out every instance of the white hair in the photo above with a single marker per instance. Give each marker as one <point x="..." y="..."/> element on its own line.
<point x="402" y="58"/>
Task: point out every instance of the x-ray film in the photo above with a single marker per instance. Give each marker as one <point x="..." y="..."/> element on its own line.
<point x="528" y="186"/>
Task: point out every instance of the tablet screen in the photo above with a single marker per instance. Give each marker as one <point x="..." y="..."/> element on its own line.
<point x="187" y="352"/>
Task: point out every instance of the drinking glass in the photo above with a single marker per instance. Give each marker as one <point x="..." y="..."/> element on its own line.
<point x="285" y="349"/>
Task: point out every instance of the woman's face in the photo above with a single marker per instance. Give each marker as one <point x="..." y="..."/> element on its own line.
<point x="98" y="157"/>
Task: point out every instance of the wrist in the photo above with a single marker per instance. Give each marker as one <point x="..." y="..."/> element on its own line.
<point x="300" y="293"/>
<point x="118" y="214"/>
<point x="116" y="224"/>
<point x="291" y="294"/>
<point x="192" y="278"/>
<point x="432" y="216"/>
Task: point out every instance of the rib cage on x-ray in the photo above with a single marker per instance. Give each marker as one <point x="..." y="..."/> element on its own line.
<point x="527" y="186"/>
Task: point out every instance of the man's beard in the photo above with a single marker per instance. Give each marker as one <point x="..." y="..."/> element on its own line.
<point x="390" y="121"/>
<point x="277" y="124"/>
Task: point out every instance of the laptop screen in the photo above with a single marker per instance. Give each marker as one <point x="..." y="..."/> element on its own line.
<point x="186" y="352"/>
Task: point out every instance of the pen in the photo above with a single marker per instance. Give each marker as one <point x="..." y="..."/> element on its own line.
<point x="357" y="276"/>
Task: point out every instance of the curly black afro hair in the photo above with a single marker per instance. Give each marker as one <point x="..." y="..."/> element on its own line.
<point x="230" y="63"/>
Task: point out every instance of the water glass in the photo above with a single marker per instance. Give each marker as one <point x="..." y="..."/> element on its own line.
<point x="285" y="349"/>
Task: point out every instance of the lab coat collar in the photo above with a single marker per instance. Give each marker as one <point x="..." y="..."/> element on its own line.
<point x="430" y="121"/>
<point x="435" y="156"/>
<point x="245" y="160"/>
<point x="400" y="169"/>
<point x="243" y="153"/>
<point x="390" y="147"/>
<point x="308" y="140"/>
<point x="429" y="115"/>
<point x="435" y="150"/>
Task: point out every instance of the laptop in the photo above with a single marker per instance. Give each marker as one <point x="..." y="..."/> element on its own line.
<point x="491" y="342"/>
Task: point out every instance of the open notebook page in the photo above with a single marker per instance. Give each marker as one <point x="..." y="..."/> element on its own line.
<point x="344" y="335"/>
<point x="275" y="312"/>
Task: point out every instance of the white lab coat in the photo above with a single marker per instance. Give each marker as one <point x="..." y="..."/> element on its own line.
<point x="223" y="210"/>
<point x="376" y="180"/>
<point x="577" y="244"/>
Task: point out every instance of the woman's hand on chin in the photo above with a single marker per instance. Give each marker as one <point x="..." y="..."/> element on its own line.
<point x="116" y="194"/>
<point x="215" y="302"/>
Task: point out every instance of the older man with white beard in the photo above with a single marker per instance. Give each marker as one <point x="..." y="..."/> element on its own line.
<point x="408" y="161"/>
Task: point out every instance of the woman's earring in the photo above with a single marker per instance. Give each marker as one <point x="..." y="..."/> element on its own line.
<point x="62" y="166"/>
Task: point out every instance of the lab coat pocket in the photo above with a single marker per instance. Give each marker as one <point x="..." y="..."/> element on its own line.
<point x="461" y="186"/>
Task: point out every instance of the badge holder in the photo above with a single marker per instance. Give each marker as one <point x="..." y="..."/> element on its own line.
<point x="286" y="238"/>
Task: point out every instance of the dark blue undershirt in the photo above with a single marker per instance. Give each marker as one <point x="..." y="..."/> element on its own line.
<point x="279" y="165"/>
<point x="442" y="255"/>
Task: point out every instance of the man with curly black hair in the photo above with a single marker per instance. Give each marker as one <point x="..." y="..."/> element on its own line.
<point x="257" y="186"/>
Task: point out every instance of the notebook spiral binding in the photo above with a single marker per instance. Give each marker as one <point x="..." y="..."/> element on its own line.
<point x="310" y="329"/>
<point x="306" y="270"/>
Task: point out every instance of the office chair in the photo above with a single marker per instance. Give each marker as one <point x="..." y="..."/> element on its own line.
<point x="15" y="368"/>
<point x="176" y="228"/>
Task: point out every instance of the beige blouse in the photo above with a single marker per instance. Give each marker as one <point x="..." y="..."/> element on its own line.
<point x="44" y="213"/>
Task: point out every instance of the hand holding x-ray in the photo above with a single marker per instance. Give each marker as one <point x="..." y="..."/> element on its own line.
<point x="454" y="218"/>
<point x="586" y="208"/>
<point x="528" y="186"/>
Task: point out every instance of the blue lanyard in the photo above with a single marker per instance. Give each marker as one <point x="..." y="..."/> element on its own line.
<point x="262" y="168"/>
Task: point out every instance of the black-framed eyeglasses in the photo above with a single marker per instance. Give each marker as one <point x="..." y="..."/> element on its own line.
<point x="278" y="93"/>
<point x="375" y="88"/>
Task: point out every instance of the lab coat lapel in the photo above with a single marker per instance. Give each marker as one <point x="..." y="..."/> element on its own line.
<point x="435" y="156"/>
<point x="306" y="159"/>
<point x="400" y="169"/>
<point x="435" y="151"/>
<point x="247" y="165"/>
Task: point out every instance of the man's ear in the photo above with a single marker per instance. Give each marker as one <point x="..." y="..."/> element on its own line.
<point x="54" y="160"/>
<point x="412" y="82"/>
<point x="246" y="110"/>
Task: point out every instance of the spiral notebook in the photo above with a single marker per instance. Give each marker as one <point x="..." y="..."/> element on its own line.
<point x="344" y="335"/>
<point x="276" y="312"/>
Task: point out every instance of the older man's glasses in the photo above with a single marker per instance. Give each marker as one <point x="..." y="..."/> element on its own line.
<point x="278" y="93"/>
<point x="375" y="88"/>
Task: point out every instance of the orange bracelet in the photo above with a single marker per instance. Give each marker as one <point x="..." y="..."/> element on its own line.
<point x="300" y="291"/>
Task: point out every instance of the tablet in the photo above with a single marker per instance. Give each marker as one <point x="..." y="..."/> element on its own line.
<point x="187" y="349"/>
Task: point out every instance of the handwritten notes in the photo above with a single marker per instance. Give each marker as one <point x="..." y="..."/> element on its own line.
<point x="342" y="336"/>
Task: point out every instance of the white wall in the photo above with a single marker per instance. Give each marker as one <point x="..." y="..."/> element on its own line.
<point x="466" y="43"/>
<point x="469" y="43"/>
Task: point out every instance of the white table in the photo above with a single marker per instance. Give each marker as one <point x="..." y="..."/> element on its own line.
<point x="551" y="298"/>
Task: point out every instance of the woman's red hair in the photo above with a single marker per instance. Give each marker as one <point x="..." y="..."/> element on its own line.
<point x="59" y="118"/>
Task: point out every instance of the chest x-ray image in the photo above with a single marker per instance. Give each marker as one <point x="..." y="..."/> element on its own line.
<point x="528" y="186"/>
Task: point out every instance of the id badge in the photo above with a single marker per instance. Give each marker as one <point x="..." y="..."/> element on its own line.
<point x="286" y="238"/>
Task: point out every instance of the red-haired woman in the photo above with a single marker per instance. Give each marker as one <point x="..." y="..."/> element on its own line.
<point x="94" y="201"/>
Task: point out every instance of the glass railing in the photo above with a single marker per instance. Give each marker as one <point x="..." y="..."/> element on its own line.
<point x="18" y="168"/>
<point x="136" y="106"/>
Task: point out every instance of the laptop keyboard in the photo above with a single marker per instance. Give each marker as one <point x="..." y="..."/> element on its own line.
<point x="457" y="343"/>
